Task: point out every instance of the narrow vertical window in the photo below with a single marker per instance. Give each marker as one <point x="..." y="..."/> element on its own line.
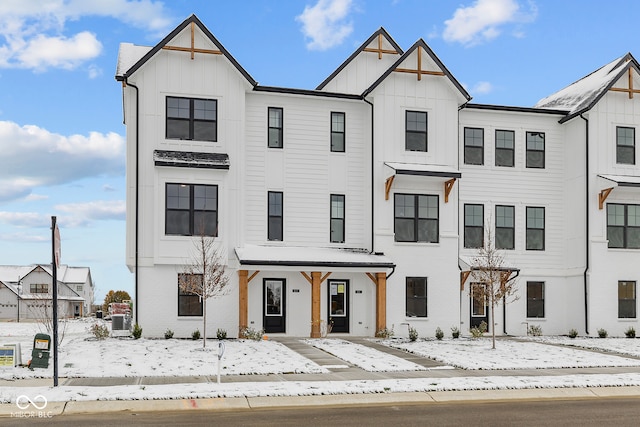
<point x="625" y="145"/>
<point x="275" y="127"/>
<point x="473" y="146"/>
<point x="626" y="299"/>
<point x="473" y="226"/>
<point x="416" y="293"/>
<point x="535" y="150"/>
<point x="535" y="299"/>
<point x="337" y="132"/>
<point x="416" y="131"/>
<point x="505" y="227"/>
<point x="337" y="218"/>
<point x="275" y="216"/>
<point x="505" y="143"/>
<point x="535" y="229"/>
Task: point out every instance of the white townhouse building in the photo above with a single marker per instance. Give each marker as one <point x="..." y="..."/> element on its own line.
<point x="362" y="202"/>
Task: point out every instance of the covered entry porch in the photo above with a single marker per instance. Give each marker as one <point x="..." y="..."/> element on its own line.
<point x="284" y="270"/>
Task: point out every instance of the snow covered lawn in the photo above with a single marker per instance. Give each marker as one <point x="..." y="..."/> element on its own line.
<point x="470" y="353"/>
<point x="626" y="346"/>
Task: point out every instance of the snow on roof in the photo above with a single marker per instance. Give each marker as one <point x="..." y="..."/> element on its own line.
<point x="580" y="96"/>
<point x="65" y="274"/>
<point x="128" y="55"/>
<point x="294" y="256"/>
<point x="191" y="159"/>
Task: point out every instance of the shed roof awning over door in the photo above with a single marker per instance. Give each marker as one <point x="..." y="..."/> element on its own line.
<point x="448" y="173"/>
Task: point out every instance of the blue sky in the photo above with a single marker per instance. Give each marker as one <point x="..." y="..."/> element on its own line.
<point x="61" y="130"/>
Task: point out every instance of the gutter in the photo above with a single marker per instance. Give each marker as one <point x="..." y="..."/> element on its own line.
<point x="137" y="300"/>
<point x="586" y="267"/>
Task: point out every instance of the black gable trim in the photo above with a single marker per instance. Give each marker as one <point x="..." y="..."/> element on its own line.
<point x="290" y="91"/>
<point x="190" y="159"/>
<point x="515" y="109"/>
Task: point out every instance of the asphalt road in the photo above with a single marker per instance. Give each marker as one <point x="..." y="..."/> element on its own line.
<point x="584" y="412"/>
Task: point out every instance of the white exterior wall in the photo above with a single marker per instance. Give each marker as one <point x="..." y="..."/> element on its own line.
<point x="8" y="304"/>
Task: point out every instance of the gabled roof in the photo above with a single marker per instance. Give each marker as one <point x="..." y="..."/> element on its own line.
<point x="583" y="94"/>
<point x="420" y="44"/>
<point x="130" y="51"/>
<point x="380" y="33"/>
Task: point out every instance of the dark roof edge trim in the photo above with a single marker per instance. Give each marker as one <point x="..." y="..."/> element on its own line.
<point x="429" y="173"/>
<point x="319" y="264"/>
<point x="514" y="109"/>
<point x="189" y="165"/>
<point x="291" y="91"/>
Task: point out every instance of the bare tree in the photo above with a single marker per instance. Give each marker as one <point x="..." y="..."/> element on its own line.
<point x="492" y="281"/>
<point x="41" y="310"/>
<point x="205" y="275"/>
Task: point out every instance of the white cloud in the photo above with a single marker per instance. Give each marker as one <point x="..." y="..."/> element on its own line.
<point x="32" y="32"/>
<point x="325" y="23"/>
<point x="25" y="237"/>
<point x="33" y="156"/>
<point x="482" y="88"/>
<point x="25" y="219"/>
<point x="482" y="21"/>
<point x="96" y="210"/>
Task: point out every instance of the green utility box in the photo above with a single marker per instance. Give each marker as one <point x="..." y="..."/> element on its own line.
<point x="41" y="351"/>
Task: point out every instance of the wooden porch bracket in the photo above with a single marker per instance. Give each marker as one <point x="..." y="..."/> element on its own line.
<point x="387" y="186"/>
<point x="603" y="196"/>
<point x="464" y="275"/>
<point x="448" y="186"/>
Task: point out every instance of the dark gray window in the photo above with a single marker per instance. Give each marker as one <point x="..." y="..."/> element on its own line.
<point x="337" y="218"/>
<point x="535" y="229"/>
<point x="191" y="210"/>
<point x="39" y="288"/>
<point x="416" y="131"/>
<point x="189" y="303"/>
<point x="625" y="145"/>
<point x="416" y="291"/>
<point x="192" y="119"/>
<point x="473" y="226"/>
<point x="275" y="216"/>
<point x="505" y="227"/>
<point x="535" y="150"/>
<point x="505" y="148"/>
<point x="275" y="127"/>
<point x="623" y="226"/>
<point x="416" y="218"/>
<point x="473" y="146"/>
<point x="626" y="299"/>
<point x="337" y="132"/>
<point x="535" y="299"/>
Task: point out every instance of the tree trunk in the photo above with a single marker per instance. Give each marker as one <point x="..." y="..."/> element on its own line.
<point x="204" y="323"/>
<point x="493" y="323"/>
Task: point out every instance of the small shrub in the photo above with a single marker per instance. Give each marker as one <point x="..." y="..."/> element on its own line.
<point x="251" y="334"/>
<point x="630" y="333"/>
<point x="573" y="333"/>
<point x="195" y="335"/>
<point x="168" y="334"/>
<point x="385" y="333"/>
<point x="439" y="333"/>
<point x="602" y="333"/>
<point x="413" y="334"/>
<point x="137" y="331"/>
<point x="455" y="332"/>
<point x="221" y="334"/>
<point x="478" y="331"/>
<point x="535" y="330"/>
<point x="99" y="331"/>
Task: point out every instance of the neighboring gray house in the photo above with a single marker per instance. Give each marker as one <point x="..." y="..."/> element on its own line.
<point x="26" y="291"/>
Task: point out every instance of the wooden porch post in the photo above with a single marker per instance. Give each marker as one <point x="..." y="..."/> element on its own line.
<point x="315" y="304"/>
<point x="243" y="299"/>
<point x="381" y="301"/>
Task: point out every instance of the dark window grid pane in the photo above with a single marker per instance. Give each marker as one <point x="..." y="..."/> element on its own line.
<point x="535" y="141"/>
<point x="178" y="128"/>
<point x="205" y="131"/>
<point x="473" y="215"/>
<point x="505" y="238"/>
<point x="337" y="142"/>
<point x="205" y="109"/>
<point x="177" y="222"/>
<point x="275" y="137"/>
<point x="275" y="117"/>
<point x="535" y="308"/>
<point x="633" y="215"/>
<point x="337" y="230"/>
<point x="416" y="121"/>
<point x="275" y="204"/>
<point x="626" y="290"/>
<point x="405" y="230"/>
<point x="625" y="155"/>
<point x="535" y="290"/>
<point x="205" y="223"/>
<point x="615" y="235"/>
<point x="473" y="237"/>
<point x="428" y="230"/>
<point x="473" y="155"/>
<point x="535" y="240"/>
<point x="189" y="305"/>
<point x="625" y="136"/>
<point x="626" y="308"/>
<point x="178" y="108"/>
<point x="535" y="159"/>
<point x="535" y="218"/>
<point x="473" y="137"/>
<point x="416" y="306"/>
<point x="505" y="139"/>
<point x="337" y="122"/>
<point x="505" y="216"/>
<point x="633" y="238"/>
<point x="615" y="214"/>
<point x="416" y="141"/>
<point x="405" y="206"/>
<point x="505" y="157"/>
<point x="428" y="207"/>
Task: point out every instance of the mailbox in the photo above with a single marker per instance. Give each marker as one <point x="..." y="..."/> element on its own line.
<point x="41" y="351"/>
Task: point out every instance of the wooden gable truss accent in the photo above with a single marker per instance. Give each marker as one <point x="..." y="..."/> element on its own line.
<point x="419" y="71"/>
<point x="243" y="299"/>
<point x="379" y="50"/>
<point x="602" y="196"/>
<point x="629" y="89"/>
<point x="192" y="49"/>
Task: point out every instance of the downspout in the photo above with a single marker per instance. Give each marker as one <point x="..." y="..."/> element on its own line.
<point x="373" y="246"/>
<point x="135" y="274"/>
<point x="586" y="268"/>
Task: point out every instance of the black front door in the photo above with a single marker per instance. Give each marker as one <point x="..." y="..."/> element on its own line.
<point x="274" y="305"/>
<point x="339" y="305"/>
<point x="479" y="309"/>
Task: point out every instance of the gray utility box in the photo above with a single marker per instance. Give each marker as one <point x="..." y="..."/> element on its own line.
<point x="41" y="351"/>
<point x="120" y="325"/>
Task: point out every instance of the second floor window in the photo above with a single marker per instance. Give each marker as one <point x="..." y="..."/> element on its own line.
<point x="275" y="216"/>
<point x="337" y="218"/>
<point x="625" y="145"/>
<point x="275" y="128"/>
<point x="505" y="227"/>
<point x="535" y="229"/>
<point x="416" y="131"/>
<point x="416" y="218"/>
<point x="39" y="288"/>
<point x="535" y="150"/>
<point x="623" y="226"/>
<point x="191" y="210"/>
<point x="505" y="143"/>
<point x="337" y="132"/>
<point x="473" y="146"/>
<point x="192" y="119"/>
<point x="473" y="226"/>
